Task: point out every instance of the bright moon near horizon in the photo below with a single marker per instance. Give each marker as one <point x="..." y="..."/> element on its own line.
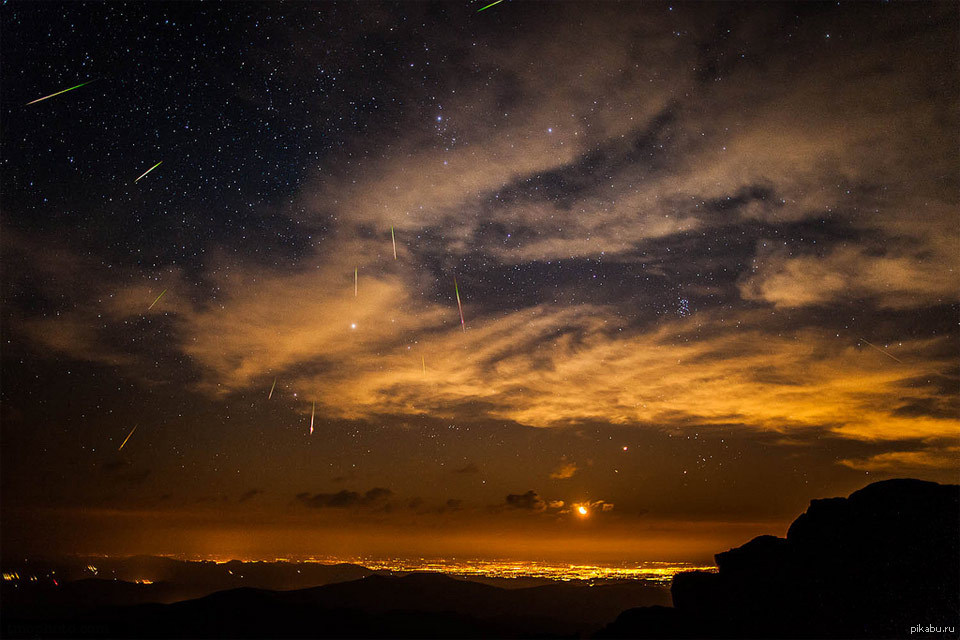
<point x="582" y="510"/>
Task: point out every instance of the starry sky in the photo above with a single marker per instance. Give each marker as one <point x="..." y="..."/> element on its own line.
<point x="706" y="256"/>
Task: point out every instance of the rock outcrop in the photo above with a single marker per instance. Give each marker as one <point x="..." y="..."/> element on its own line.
<point x="873" y="565"/>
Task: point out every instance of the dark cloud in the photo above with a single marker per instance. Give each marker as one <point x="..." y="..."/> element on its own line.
<point x="529" y="501"/>
<point x="593" y="170"/>
<point x="945" y="383"/>
<point x="453" y="504"/>
<point x="247" y="495"/>
<point x="121" y="471"/>
<point x="344" y="499"/>
<point x="376" y="494"/>
<point x="115" y="465"/>
<point x="468" y="468"/>
<point x="930" y="408"/>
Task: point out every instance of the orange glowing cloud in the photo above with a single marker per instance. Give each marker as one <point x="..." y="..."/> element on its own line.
<point x="564" y="471"/>
<point x="543" y="366"/>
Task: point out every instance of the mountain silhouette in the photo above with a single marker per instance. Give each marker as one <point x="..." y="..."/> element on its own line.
<point x="116" y="579"/>
<point x="416" y="605"/>
<point x="873" y="565"/>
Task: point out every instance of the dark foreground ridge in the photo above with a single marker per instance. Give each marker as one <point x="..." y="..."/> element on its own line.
<point x="874" y="565"/>
<point x="419" y="605"/>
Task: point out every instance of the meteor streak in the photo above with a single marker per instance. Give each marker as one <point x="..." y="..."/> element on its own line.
<point x="883" y="351"/>
<point x="148" y="171"/>
<point x="270" y="395"/>
<point x="58" y="93"/>
<point x="393" y="237"/>
<point x="489" y="5"/>
<point x="313" y="412"/>
<point x="157" y="300"/>
<point x="459" y="306"/>
<point x="356" y="276"/>
<point x="128" y="437"/>
<point x="424" y="363"/>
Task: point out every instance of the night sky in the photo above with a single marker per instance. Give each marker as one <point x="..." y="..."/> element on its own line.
<point x="706" y="254"/>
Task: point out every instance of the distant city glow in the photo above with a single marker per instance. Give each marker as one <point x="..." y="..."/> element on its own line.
<point x="659" y="572"/>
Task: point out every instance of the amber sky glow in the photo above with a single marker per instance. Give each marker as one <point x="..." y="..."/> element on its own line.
<point x="707" y="256"/>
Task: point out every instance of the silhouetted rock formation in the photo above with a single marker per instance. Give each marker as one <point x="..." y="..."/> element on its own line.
<point x="869" y="566"/>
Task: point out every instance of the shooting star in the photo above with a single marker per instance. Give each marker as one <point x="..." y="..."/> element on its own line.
<point x="424" y="363"/>
<point x="489" y="5"/>
<point x="883" y="351"/>
<point x="393" y="237"/>
<point x="270" y="395"/>
<point x="157" y="300"/>
<point x="459" y="306"/>
<point x="58" y="93"/>
<point x="128" y="437"/>
<point x="356" y="277"/>
<point x="148" y="171"/>
<point x="313" y="412"/>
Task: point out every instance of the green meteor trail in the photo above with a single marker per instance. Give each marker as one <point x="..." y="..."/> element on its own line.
<point x="489" y="5"/>
<point x="148" y="171"/>
<point x="157" y="300"/>
<point x="58" y="93"/>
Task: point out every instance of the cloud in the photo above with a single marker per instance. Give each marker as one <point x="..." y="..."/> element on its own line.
<point x="564" y="471"/>
<point x="900" y="461"/>
<point x="468" y="468"/>
<point x="247" y="495"/>
<point x="121" y="471"/>
<point x="529" y="501"/>
<point x="616" y="159"/>
<point x="895" y="280"/>
<point x="345" y="499"/>
<point x="608" y="200"/>
<point x="592" y="506"/>
<point x="451" y="505"/>
<point x="240" y="340"/>
<point x="552" y="365"/>
<point x="941" y="408"/>
<point x="429" y="172"/>
<point x="114" y="465"/>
